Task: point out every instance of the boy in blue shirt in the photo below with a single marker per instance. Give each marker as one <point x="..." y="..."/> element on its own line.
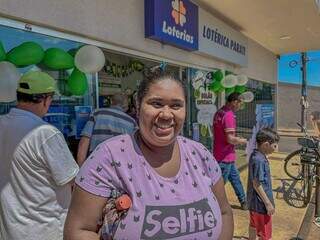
<point x="259" y="192"/>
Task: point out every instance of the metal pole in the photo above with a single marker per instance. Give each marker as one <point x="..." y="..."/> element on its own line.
<point x="317" y="209"/>
<point x="303" y="89"/>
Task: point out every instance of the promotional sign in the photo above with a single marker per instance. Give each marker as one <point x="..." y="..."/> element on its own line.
<point x="173" y="22"/>
<point x="219" y="40"/>
<point x="264" y="118"/>
<point x="204" y="100"/>
<point x="82" y="116"/>
<point x="60" y="117"/>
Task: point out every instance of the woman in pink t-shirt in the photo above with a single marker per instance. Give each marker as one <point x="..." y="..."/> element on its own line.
<point x="174" y="183"/>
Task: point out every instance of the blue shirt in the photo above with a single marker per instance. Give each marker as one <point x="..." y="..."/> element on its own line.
<point x="259" y="169"/>
<point x="105" y="123"/>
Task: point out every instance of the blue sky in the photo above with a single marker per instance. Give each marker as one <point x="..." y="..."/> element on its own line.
<point x="293" y="75"/>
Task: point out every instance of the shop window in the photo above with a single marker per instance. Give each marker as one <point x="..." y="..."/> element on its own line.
<point x="62" y="111"/>
<point x="264" y="98"/>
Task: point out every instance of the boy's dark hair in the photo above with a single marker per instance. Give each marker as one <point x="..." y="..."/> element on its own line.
<point x="267" y="135"/>
<point x="152" y="76"/>
<point x="233" y="97"/>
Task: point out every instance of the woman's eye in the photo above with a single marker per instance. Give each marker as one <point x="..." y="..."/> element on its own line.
<point x="156" y="104"/>
<point x="176" y="106"/>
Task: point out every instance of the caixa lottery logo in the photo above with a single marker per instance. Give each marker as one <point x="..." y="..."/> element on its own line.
<point x="179" y="15"/>
<point x="167" y="222"/>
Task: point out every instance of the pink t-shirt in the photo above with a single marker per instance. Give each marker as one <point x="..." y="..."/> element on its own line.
<point x="181" y="207"/>
<point x="223" y="121"/>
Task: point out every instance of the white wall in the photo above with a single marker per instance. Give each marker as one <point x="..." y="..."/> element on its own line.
<point x="262" y="64"/>
<point x="121" y="22"/>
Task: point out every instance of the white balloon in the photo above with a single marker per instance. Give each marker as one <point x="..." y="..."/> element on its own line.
<point x="247" y="97"/>
<point x="9" y="77"/>
<point x="89" y="59"/>
<point x="229" y="81"/>
<point x="242" y="80"/>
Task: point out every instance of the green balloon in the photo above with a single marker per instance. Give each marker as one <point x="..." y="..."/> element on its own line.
<point x="229" y="90"/>
<point x="217" y="75"/>
<point x="77" y="83"/>
<point x="27" y="53"/>
<point x="215" y="86"/>
<point x="58" y="59"/>
<point x="73" y="51"/>
<point x="240" y="89"/>
<point x="2" y="53"/>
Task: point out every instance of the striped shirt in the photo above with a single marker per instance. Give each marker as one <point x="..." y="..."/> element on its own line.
<point x="105" y="123"/>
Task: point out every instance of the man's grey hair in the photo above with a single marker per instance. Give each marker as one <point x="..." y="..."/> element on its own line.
<point x="119" y="99"/>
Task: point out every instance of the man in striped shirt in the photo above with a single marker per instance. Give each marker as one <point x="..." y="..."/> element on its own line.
<point x="105" y="123"/>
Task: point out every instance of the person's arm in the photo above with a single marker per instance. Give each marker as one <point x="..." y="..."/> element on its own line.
<point x="84" y="142"/>
<point x="259" y="189"/>
<point x="83" y="216"/>
<point x="229" y="124"/>
<point x="226" y="211"/>
<point x="83" y="148"/>
<point x="234" y="140"/>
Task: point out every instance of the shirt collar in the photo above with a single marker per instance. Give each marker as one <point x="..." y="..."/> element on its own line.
<point x="117" y="107"/>
<point x="262" y="154"/>
<point x="227" y="108"/>
<point x="18" y="111"/>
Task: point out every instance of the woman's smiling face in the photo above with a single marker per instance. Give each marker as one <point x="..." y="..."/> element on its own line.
<point x="162" y="113"/>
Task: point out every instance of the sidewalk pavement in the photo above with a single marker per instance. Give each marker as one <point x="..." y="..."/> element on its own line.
<point x="290" y="212"/>
<point x="290" y="132"/>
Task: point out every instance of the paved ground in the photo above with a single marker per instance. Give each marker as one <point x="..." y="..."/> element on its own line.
<point x="288" y="144"/>
<point x="291" y="220"/>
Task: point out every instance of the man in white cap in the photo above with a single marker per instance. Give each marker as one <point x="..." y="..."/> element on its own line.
<point x="36" y="166"/>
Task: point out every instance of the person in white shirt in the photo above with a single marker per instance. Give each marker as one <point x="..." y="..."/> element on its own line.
<point x="36" y="166"/>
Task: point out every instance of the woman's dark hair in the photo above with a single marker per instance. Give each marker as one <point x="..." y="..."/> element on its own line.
<point x="155" y="75"/>
<point x="32" y="98"/>
<point x="267" y="135"/>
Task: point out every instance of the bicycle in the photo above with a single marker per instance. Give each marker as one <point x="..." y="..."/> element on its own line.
<point x="301" y="164"/>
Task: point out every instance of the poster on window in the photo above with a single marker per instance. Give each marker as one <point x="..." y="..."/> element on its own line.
<point x="204" y="101"/>
<point x="264" y="118"/>
<point x="82" y="116"/>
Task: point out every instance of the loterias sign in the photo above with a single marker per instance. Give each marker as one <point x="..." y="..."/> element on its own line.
<point x="173" y="22"/>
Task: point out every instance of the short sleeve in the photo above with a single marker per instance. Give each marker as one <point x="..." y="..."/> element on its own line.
<point x="258" y="171"/>
<point x="229" y="122"/>
<point x="88" y="128"/>
<point x="97" y="175"/>
<point x="56" y="154"/>
<point x="209" y="164"/>
<point x="213" y="168"/>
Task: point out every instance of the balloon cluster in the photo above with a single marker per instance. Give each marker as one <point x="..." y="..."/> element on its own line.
<point x="123" y="70"/>
<point x="229" y="82"/>
<point x="87" y="59"/>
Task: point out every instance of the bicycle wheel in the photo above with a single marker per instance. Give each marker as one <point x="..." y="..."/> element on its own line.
<point x="307" y="183"/>
<point x="292" y="165"/>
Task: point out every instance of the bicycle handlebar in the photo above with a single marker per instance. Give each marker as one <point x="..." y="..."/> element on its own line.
<point x="303" y="129"/>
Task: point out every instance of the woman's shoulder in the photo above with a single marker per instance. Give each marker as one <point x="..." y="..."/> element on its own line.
<point x="192" y="146"/>
<point x="121" y="143"/>
<point x="118" y="140"/>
